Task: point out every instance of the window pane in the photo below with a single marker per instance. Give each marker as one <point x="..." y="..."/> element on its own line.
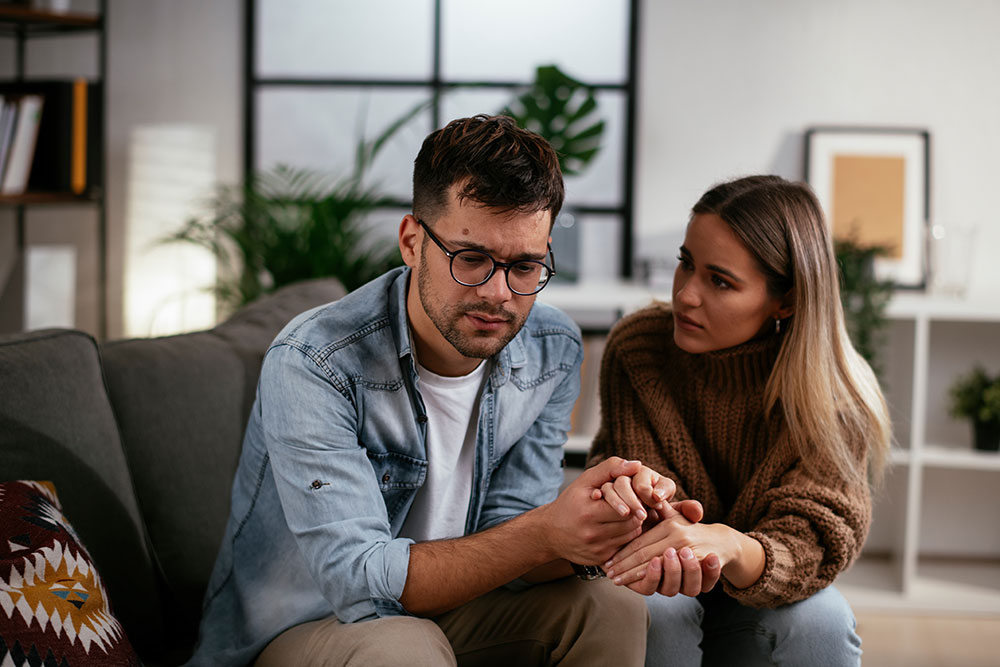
<point x="345" y="38"/>
<point x="587" y="247"/>
<point x="601" y="183"/>
<point x="320" y="129"/>
<point x="585" y="38"/>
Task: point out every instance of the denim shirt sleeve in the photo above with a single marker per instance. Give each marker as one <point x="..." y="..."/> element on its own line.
<point x="328" y="489"/>
<point x="531" y="472"/>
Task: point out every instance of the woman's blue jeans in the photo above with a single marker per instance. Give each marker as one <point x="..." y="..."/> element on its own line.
<point x="715" y="630"/>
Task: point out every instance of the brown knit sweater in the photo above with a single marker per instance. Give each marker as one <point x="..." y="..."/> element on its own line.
<point x="699" y="418"/>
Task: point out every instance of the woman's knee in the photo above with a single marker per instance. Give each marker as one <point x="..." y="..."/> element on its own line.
<point x="819" y="628"/>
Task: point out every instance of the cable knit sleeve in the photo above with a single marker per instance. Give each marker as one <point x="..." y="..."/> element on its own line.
<point x="811" y="527"/>
<point x="625" y="429"/>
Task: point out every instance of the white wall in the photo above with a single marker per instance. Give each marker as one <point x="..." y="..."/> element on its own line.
<point x="174" y="63"/>
<point x="727" y="88"/>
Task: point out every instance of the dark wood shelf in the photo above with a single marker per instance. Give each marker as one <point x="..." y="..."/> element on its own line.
<point x="36" y="21"/>
<point x="48" y="198"/>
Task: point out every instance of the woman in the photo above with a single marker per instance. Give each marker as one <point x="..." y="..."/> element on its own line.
<point x="747" y="393"/>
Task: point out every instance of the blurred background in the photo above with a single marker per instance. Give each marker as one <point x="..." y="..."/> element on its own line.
<point x="322" y="101"/>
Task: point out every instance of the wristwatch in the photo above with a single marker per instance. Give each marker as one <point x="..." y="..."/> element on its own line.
<point x="588" y="572"/>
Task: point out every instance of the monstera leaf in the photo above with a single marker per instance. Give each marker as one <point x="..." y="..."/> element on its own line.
<point x="561" y="109"/>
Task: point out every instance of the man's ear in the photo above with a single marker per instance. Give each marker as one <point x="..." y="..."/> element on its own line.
<point x="410" y="237"/>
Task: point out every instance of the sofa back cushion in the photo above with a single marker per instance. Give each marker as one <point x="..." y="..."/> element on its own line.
<point x="179" y="401"/>
<point x="182" y="404"/>
<point x="56" y="424"/>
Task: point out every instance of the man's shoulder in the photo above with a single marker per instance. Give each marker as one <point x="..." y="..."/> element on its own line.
<point x="351" y="320"/>
<point x="547" y="319"/>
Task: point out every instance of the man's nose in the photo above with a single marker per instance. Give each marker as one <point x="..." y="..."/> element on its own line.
<point x="496" y="288"/>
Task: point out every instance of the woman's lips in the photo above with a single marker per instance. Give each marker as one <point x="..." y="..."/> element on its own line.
<point x="687" y="323"/>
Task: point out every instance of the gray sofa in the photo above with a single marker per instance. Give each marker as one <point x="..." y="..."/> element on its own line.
<point x="141" y="439"/>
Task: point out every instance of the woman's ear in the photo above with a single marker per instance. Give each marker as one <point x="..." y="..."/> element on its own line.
<point x="787" y="307"/>
<point x="409" y="240"/>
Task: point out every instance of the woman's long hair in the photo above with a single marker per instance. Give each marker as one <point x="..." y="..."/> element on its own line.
<point x="828" y="394"/>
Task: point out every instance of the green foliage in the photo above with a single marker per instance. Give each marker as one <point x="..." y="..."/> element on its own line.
<point x="290" y="224"/>
<point x="561" y="109"/>
<point x="976" y="396"/>
<point x="864" y="297"/>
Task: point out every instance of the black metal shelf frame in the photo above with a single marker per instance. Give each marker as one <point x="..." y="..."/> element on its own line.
<point x="22" y="25"/>
<point x="437" y="85"/>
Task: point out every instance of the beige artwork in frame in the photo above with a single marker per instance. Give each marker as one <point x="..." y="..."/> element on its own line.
<point x="873" y="186"/>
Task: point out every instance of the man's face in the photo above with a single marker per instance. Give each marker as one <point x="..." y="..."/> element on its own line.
<point x="455" y="326"/>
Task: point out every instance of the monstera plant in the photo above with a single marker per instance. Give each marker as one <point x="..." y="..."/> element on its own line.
<point x="563" y="110"/>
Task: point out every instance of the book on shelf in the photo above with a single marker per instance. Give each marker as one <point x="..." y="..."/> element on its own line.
<point x="21" y="147"/>
<point x="67" y="155"/>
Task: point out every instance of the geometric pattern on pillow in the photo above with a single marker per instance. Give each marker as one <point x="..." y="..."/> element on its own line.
<point x="53" y="606"/>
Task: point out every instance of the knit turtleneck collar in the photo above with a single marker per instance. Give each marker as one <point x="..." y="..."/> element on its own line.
<point x="743" y="368"/>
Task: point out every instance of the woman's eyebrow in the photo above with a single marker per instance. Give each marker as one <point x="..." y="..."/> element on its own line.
<point x="714" y="267"/>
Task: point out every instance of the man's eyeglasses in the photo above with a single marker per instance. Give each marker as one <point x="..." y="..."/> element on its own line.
<point x="471" y="267"/>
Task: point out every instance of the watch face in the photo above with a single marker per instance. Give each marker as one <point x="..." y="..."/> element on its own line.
<point x="588" y="572"/>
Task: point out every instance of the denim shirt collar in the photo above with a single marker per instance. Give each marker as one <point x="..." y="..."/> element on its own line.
<point x="512" y="357"/>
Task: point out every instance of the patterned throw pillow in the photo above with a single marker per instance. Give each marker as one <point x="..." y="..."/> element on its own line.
<point x="53" y="606"/>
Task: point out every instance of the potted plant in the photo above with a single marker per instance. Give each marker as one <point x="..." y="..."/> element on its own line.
<point x="864" y="297"/>
<point x="289" y="224"/>
<point x="976" y="396"/>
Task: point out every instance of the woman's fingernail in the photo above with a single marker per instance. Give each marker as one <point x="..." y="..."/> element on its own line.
<point x="618" y="581"/>
<point x="642" y="515"/>
<point x="622" y="510"/>
<point x="687" y="554"/>
<point x="671" y="553"/>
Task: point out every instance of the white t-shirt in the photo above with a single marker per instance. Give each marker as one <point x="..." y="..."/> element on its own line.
<point x="442" y="503"/>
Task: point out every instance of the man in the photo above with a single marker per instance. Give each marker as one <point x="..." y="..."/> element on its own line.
<point x="398" y="487"/>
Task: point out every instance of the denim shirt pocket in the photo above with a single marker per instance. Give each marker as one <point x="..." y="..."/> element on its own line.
<point x="399" y="476"/>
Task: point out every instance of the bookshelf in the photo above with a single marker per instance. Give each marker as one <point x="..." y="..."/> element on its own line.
<point x="23" y="24"/>
<point x="935" y="543"/>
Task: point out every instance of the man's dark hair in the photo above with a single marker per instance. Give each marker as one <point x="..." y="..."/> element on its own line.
<point x="496" y="164"/>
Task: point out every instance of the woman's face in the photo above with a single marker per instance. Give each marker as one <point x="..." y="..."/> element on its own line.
<point x="720" y="296"/>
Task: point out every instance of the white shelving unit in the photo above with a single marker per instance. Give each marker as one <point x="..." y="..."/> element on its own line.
<point x="935" y="541"/>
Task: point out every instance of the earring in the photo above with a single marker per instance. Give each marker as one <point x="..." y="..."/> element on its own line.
<point x="777" y="325"/>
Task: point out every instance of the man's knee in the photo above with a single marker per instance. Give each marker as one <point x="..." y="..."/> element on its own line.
<point x="395" y="640"/>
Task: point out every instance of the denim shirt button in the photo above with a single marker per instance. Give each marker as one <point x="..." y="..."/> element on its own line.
<point x="422" y="419"/>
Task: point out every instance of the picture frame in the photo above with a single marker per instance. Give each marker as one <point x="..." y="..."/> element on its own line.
<point x="874" y="186"/>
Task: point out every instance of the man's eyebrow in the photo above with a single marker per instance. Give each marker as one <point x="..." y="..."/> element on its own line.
<point x="466" y="245"/>
<point x="714" y="267"/>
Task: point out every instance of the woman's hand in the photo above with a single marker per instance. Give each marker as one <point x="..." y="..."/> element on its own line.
<point x="667" y="556"/>
<point x="635" y="494"/>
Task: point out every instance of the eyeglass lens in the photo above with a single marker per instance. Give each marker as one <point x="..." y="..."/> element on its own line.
<point x="472" y="267"/>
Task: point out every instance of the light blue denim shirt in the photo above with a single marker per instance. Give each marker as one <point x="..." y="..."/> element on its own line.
<point x="335" y="452"/>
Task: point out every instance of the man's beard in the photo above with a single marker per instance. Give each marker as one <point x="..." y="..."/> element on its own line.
<point x="446" y="317"/>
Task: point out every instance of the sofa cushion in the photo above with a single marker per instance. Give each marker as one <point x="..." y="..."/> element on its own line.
<point x="56" y="424"/>
<point x="54" y="609"/>
<point x="179" y="401"/>
<point x="182" y="404"/>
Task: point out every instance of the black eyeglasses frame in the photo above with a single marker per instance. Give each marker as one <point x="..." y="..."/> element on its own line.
<point x="506" y="266"/>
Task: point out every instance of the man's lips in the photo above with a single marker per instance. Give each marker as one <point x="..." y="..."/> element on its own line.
<point x="484" y="321"/>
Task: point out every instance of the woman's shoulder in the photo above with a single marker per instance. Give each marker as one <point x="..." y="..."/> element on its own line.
<point x="650" y="325"/>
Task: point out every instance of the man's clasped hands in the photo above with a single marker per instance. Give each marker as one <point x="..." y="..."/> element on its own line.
<point x="630" y="526"/>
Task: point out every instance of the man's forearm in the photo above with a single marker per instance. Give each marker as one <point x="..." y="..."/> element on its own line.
<point x="444" y="574"/>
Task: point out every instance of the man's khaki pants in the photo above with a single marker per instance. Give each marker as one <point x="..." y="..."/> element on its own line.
<point x="565" y="622"/>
